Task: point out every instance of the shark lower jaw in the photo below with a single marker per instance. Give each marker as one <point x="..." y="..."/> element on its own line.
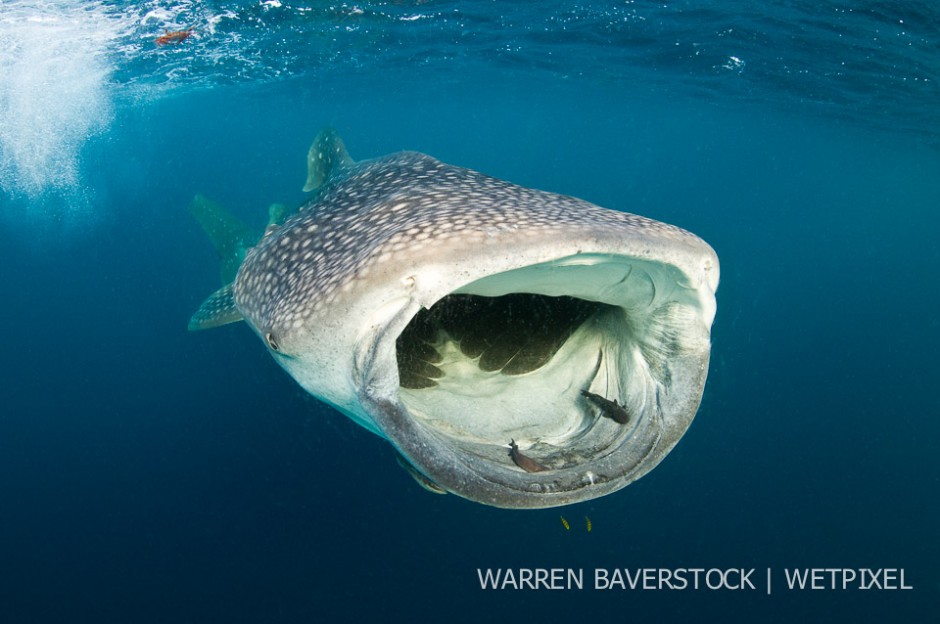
<point x="549" y="384"/>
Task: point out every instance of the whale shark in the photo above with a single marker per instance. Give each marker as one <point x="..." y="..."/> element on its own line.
<point x="518" y="348"/>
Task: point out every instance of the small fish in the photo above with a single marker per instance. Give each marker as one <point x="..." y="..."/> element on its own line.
<point x="419" y="477"/>
<point x="610" y="409"/>
<point x="564" y="523"/>
<point x="587" y="521"/>
<point x="177" y="36"/>
<point x="526" y="463"/>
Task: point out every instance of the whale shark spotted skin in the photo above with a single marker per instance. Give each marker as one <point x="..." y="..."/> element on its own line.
<point x="451" y="313"/>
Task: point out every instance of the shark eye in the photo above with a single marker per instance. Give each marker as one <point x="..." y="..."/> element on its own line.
<point x="272" y="343"/>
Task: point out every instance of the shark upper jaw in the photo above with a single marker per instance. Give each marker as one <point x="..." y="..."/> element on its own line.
<point x="646" y="346"/>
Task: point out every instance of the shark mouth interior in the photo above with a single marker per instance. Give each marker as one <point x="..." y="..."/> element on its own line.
<point x="593" y="365"/>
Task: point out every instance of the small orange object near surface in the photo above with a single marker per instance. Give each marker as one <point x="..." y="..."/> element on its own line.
<point x="177" y="36"/>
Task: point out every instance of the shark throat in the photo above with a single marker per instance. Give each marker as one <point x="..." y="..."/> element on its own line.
<point x="490" y="368"/>
<point x="518" y="348"/>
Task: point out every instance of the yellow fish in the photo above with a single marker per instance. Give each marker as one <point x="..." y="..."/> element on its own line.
<point x="564" y="523"/>
<point x="587" y="521"/>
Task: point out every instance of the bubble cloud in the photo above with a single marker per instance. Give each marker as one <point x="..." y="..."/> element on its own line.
<point x="54" y="95"/>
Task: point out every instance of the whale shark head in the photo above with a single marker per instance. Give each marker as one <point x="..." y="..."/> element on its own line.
<point x="519" y="348"/>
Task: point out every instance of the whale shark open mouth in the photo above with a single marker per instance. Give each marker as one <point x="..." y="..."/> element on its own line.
<point x="518" y="348"/>
<point x="551" y="383"/>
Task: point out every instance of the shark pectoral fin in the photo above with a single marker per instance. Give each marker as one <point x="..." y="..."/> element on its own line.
<point x="230" y="237"/>
<point x="327" y="155"/>
<point x="219" y="309"/>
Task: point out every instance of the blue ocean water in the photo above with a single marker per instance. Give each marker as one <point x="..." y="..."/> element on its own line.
<point x="148" y="474"/>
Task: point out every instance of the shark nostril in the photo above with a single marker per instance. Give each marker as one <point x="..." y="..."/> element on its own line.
<point x="272" y="342"/>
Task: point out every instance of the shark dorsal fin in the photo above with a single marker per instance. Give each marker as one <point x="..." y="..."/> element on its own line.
<point x="326" y="156"/>
<point x="219" y="309"/>
<point x="277" y="213"/>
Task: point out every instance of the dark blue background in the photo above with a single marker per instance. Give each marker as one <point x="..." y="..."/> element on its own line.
<point x="152" y="475"/>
